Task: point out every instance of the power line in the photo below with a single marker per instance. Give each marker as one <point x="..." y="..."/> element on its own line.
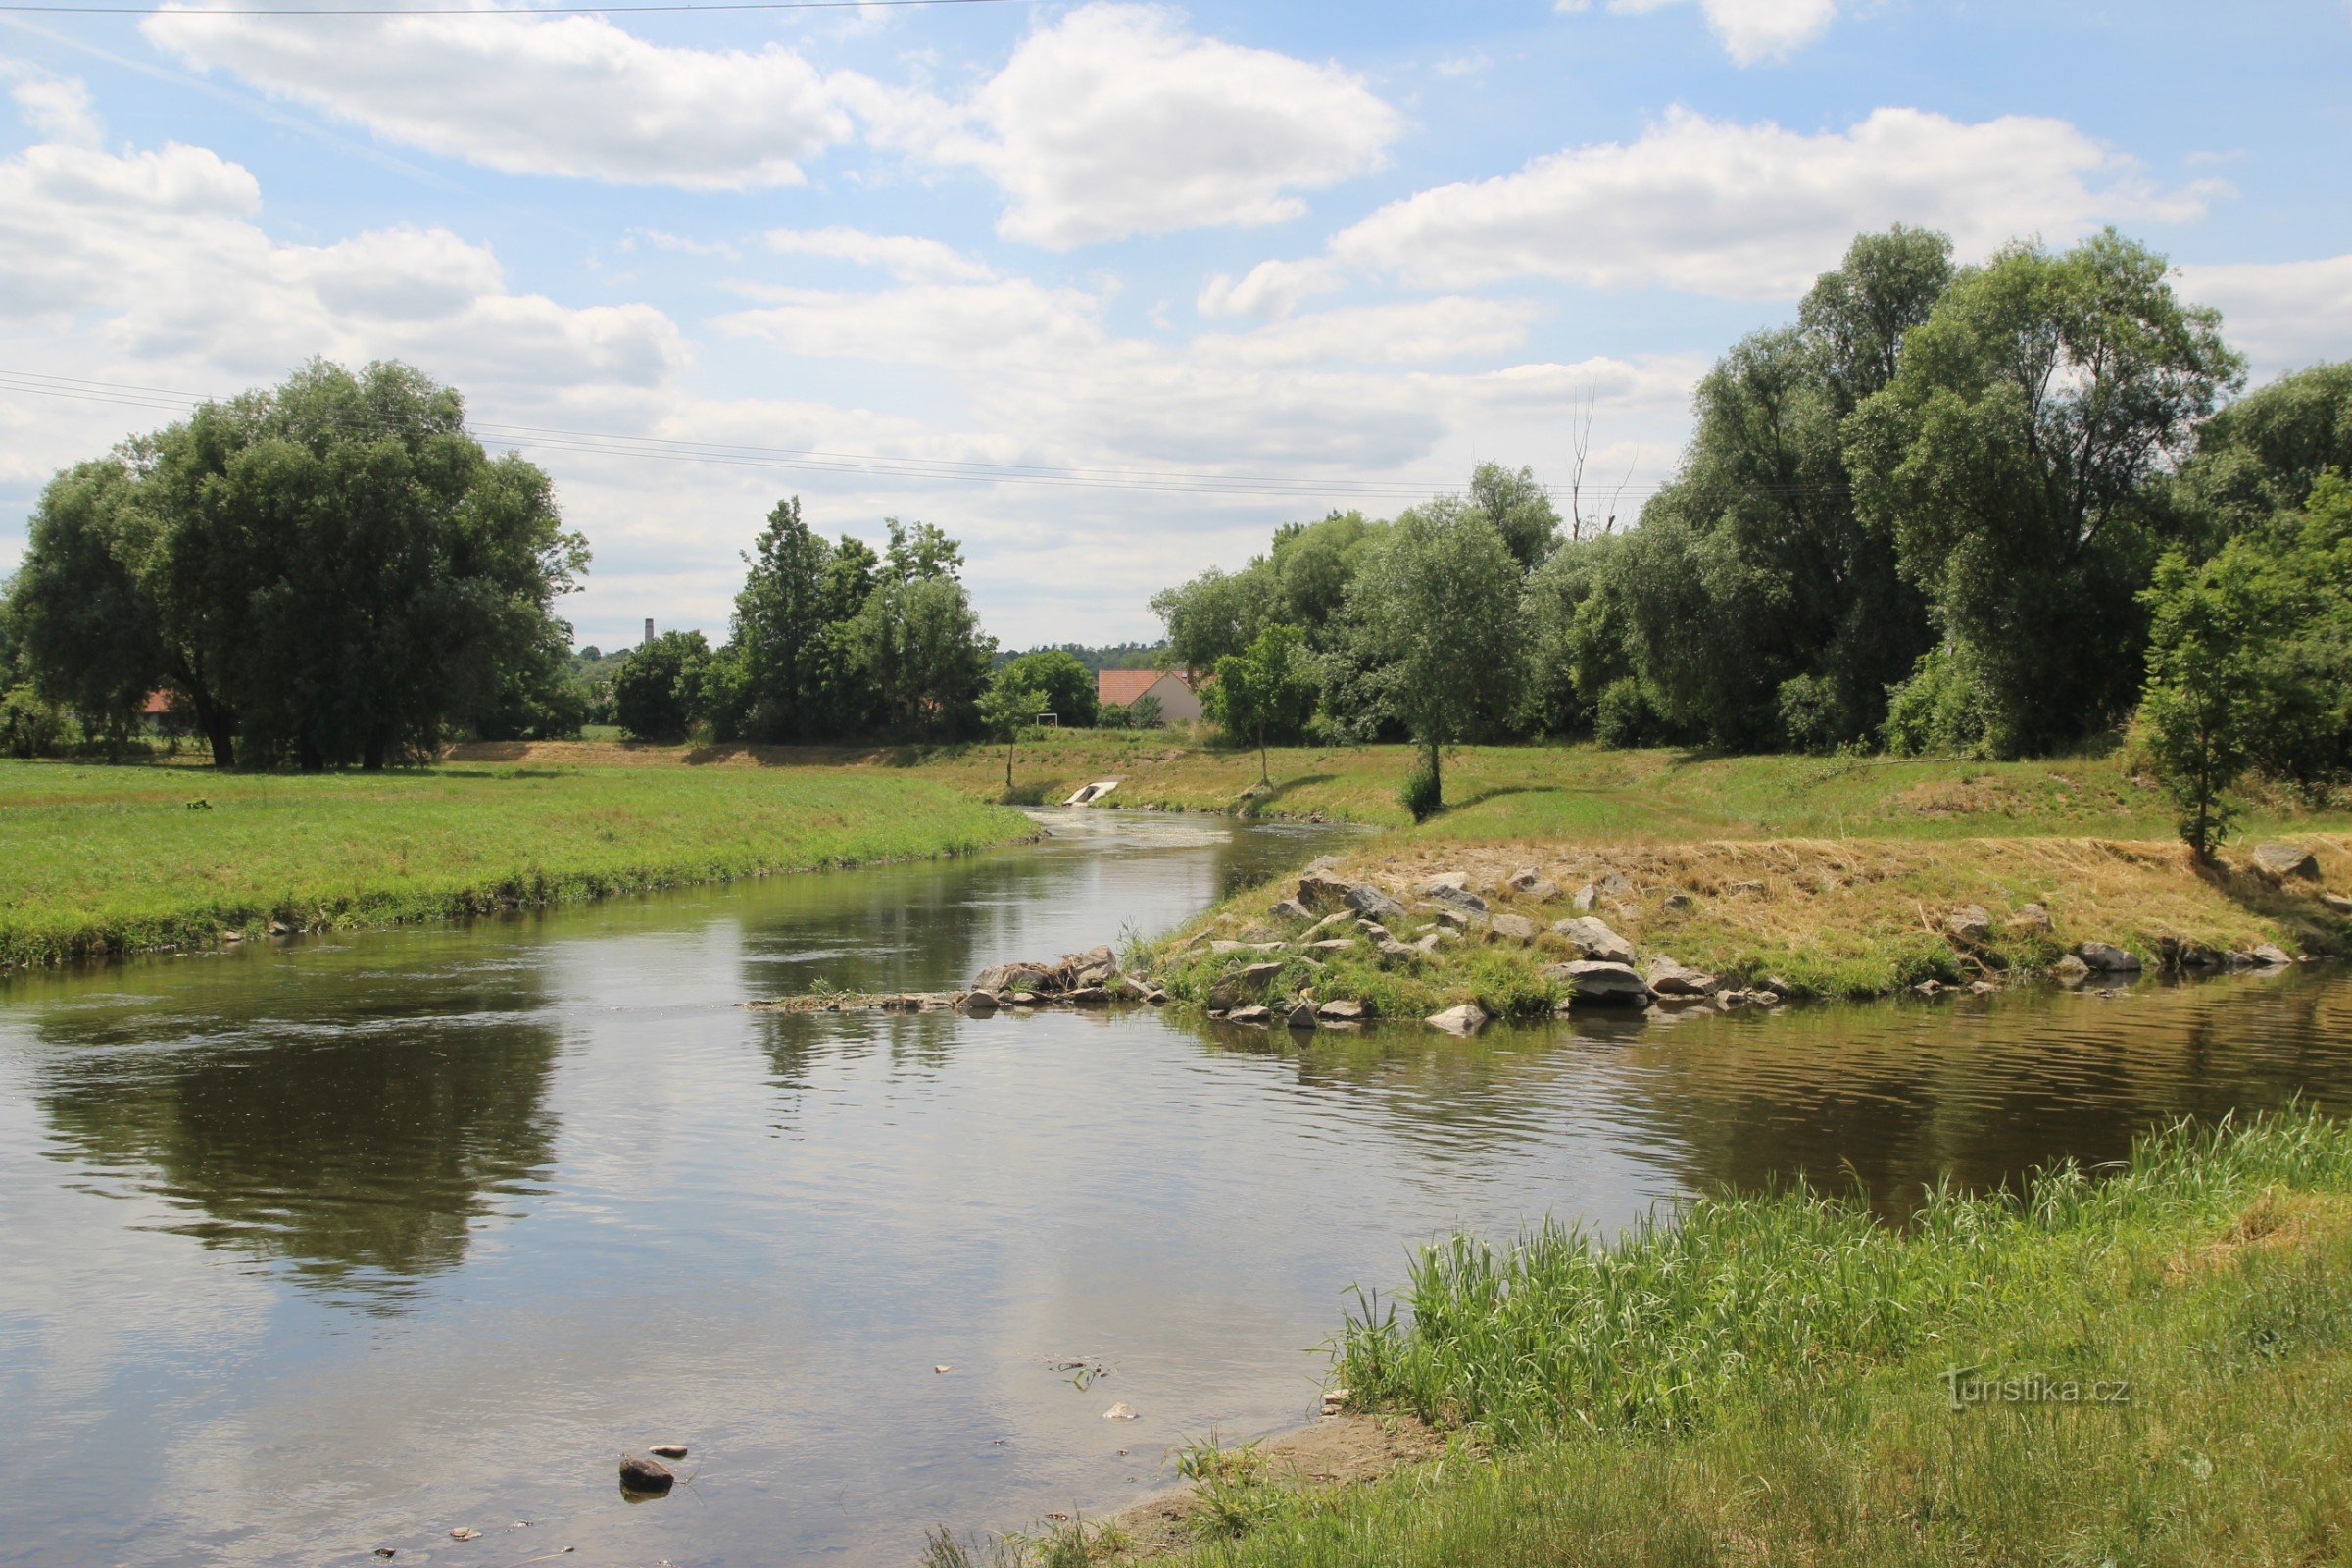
<point x="479" y="10"/>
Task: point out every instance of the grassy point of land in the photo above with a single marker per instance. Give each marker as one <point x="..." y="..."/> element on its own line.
<point x="2148" y="1366"/>
<point x="114" y="859"/>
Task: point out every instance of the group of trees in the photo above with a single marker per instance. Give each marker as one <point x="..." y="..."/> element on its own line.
<point x="829" y="641"/>
<point x="328" y="572"/>
<point x="1929" y="515"/>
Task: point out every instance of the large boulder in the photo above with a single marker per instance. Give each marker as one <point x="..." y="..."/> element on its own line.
<point x="1460" y="898"/>
<point x="2106" y="958"/>
<point x="1595" y="982"/>
<point x="1243" y="985"/>
<point x="1013" y="977"/>
<point x="1290" y="909"/>
<point x="2272" y="957"/>
<point x="2285" y="861"/>
<point x="1592" y="939"/>
<point x="1467" y="1019"/>
<point x="1670" y="979"/>
<point x="1343" y="1009"/>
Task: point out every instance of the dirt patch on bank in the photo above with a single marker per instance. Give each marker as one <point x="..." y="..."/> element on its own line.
<point x="1334" y="1453"/>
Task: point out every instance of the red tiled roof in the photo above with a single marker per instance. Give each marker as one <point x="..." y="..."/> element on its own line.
<point x="1125" y="686"/>
<point x="158" y="705"/>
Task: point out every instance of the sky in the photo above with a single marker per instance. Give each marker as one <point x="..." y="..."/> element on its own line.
<point x="1106" y="290"/>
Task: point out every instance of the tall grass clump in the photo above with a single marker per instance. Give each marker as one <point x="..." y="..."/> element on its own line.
<point x="1682" y="1316"/>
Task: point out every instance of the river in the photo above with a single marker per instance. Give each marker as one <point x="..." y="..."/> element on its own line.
<point x="345" y="1244"/>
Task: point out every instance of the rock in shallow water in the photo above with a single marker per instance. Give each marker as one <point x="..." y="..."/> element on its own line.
<point x="648" y="1476"/>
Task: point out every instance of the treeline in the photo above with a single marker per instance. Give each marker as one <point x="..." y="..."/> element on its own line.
<point x="1929" y="515"/>
<point x="829" y="641"/>
<point x="328" y="572"/>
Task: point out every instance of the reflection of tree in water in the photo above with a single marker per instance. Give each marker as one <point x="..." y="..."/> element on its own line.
<point x="359" y="1144"/>
<point x="1894" y="1097"/>
<point x="798" y="1044"/>
<point x="1886" y="1097"/>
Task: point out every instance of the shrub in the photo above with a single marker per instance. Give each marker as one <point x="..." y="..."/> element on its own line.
<point x="1422" y="795"/>
<point x="1812" y="717"/>
<point x="1939" y="708"/>
<point x="1113" y="716"/>
<point x="1144" y="712"/>
<point x="1622" y="717"/>
<point x="29" y="727"/>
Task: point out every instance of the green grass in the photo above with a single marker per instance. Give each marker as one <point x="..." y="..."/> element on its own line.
<point x="1764" y="1381"/>
<point x="110" y="859"/>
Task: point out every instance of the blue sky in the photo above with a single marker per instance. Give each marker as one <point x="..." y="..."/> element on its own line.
<point x="1198" y="269"/>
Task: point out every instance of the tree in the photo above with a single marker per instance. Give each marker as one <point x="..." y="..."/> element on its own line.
<point x="1067" y="686"/>
<point x="1438" y="603"/>
<point x="2201" y="659"/>
<point x="792" y="668"/>
<point x="1214" y="614"/>
<point x="1519" y="509"/>
<point x="659" y="693"/>
<point x="2258" y="458"/>
<point x="1010" y="705"/>
<point x="1268" y="688"/>
<point x="2010" y="461"/>
<point x="331" y="570"/>
<point x="917" y="639"/>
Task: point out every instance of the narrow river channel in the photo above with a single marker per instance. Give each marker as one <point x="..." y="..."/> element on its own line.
<point x="312" y="1249"/>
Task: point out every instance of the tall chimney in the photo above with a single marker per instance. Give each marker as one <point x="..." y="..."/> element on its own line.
<point x="649" y="628"/>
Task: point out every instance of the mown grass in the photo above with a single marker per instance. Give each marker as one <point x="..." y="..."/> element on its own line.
<point x="1765" y="1380"/>
<point x="1545" y="793"/>
<point x="110" y="859"/>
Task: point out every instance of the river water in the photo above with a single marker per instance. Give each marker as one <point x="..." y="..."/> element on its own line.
<point x="311" y="1249"/>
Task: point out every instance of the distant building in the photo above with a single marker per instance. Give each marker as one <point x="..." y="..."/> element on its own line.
<point x="1178" y="702"/>
<point x="649" y="628"/>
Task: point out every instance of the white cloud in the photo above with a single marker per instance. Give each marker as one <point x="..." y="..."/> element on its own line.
<point x="58" y="109"/>
<point x="907" y="257"/>
<point x="1750" y="30"/>
<point x="571" y="97"/>
<point x="2284" y="314"/>
<point x="1115" y="122"/>
<point x="1408" y="332"/>
<point x="1755" y="210"/>
<point x="1269" y="289"/>
<point x="155" y="254"/>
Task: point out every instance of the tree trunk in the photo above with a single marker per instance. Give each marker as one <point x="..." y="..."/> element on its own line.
<point x="1009" y="744"/>
<point x="1262" y="777"/>
<point x="220" y="726"/>
<point x="371" y="760"/>
<point x="1437" y="780"/>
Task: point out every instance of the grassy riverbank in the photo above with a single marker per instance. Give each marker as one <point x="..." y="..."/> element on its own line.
<point x="1770" y="1381"/>
<point x="1852" y="917"/>
<point x="110" y="859"/>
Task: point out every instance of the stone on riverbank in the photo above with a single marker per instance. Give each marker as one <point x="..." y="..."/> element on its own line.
<point x="1514" y="929"/>
<point x="2030" y="918"/>
<point x="2071" y="971"/>
<point x="1240" y="987"/>
<point x="1592" y="939"/>
<point x="1670" y="979"/>
<point x="2272" y="957"/>
<point x="1290" y="909"/>
<point x="1970" y="923"/>
<point x="2283" y="860"/>
<point x="2108" y="958"/>
<point x="1465" y="1020"/>
<point x="1321" y="892"/>
<point x="1341" y="1009"/>
<point x="1604" y="983"/>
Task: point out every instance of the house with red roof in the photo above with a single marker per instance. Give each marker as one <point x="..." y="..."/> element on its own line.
<point x="1178" y="700"/>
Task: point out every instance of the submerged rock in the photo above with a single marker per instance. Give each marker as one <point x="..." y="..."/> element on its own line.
<point x="2071" y="971"/>
<point x="1251" y="1015"/>
<point x="1343" y="1009"/>
<point x="2271" y="957"/>
<point x="677" y="1451"/>
<point x="1302" y="1018"/>
<point x="1467" y="1019"/>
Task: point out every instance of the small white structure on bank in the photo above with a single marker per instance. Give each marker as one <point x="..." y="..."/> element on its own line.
<point x="1173" y="688"/>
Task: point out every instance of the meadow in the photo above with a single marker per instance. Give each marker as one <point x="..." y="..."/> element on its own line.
<point x="109" y="860"/>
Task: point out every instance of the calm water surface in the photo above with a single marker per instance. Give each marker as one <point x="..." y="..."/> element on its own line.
<point x="310" y="1249"/>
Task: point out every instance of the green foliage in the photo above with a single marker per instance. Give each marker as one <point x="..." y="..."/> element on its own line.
<point x="30" y="725"/>
<point x="2013" y="460"/>
<point x="1422" y="795"/>
<point x="328" y="571"/>
<point x="1011" y="704"/>
<point x="1266" y="691"/>
<point x="1114" y="715"/>
<point x="1438" y="603"/>
<point x="1144" y="712"/>
<point x="1941" y="710"/>
<point x="2257" y="459"/>
<point x="1623" y="717"/>
<point x="1519" y="509"/>
<point x="2250" y="661"/>
<point x="919" y="640"/>
<point x="660" y="694"/>
<point x="1066" y="685"/>
<point x="794" y="674"/>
